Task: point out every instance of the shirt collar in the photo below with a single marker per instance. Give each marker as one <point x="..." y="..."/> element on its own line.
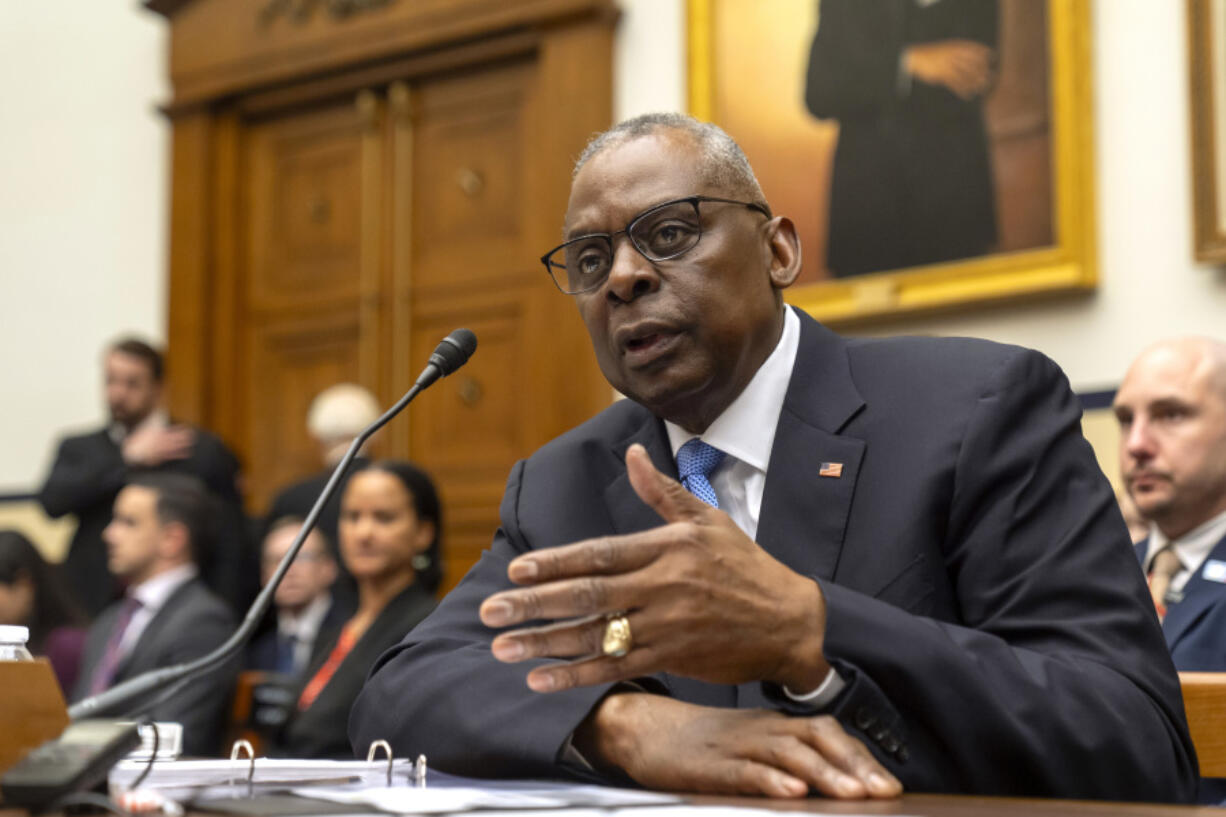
<point x="306" y="623"/>
<point x="1193" y="547"/>
<point x="153" y="592"/>
<point x="746" y="429"/>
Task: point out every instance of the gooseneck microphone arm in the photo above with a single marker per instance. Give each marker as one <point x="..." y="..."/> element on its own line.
<point x="451" y="353"/>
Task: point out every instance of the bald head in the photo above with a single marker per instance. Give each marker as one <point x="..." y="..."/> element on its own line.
<point x="1171" y="409"/>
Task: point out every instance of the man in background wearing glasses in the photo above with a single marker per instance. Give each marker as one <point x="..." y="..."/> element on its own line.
<point x="789" y="561"/>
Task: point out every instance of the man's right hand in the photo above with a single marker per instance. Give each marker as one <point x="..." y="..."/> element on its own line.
<point x="670" y="745"/>
<point x="962" y="66"/>
<point x="154" y="445"/>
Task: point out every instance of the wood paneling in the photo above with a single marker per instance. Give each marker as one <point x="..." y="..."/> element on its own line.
<point x="219" y="47"/>
<point x="342" y="202"/>
<point x="289" y="360"/>
<point x="306" y="210"/>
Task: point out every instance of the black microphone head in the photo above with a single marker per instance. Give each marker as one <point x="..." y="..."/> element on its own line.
<point x="454" y="350"/>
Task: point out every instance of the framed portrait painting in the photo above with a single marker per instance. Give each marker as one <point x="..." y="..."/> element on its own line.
<point x="932" y="153"/>
<point x="1207" y="86"/>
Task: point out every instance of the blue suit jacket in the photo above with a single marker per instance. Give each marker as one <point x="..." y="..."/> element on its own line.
<point x="982" y="599"/>
<point x="1195" y="626"/>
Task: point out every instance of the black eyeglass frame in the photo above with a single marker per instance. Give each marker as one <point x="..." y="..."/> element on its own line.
<point x="693" y="200"/>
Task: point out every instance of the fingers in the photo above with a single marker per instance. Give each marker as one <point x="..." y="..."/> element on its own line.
<point x="566" y="640"/>
<point x="592" y="671"/>
<point x="662" y="493"/>
<point x="751" y="778"/>
<point x="594" y="557"/>
<point x="850" y="758"/>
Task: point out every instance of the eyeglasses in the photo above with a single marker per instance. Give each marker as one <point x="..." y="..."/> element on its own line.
<point x="660" y="233"/>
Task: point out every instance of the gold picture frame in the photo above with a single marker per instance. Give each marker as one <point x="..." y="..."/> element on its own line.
<point x="1066" y="264"/>
<point x="1206" y="70"/>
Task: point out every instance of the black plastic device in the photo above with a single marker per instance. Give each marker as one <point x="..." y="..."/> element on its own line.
<point x="77" y="760"/>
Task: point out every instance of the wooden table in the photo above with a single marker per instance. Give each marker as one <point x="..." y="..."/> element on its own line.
<point x="928" y="805"/>
<point x="951" y="805"/>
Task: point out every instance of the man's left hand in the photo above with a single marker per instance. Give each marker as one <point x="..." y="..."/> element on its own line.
<point x="703" y="601"/>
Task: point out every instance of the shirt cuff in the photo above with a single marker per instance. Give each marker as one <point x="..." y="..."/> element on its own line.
<point x="821" y="697"/>
<point x="902" y="82"/>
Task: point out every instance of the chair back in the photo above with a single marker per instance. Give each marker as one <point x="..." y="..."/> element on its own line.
<point x="1204" y="700"/>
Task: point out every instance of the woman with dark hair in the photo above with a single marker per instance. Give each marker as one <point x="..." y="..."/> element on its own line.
<point x="389" y="535"/>
<point x="32" y="596"/>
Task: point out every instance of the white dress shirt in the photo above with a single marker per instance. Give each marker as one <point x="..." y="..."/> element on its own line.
<point x="1192" y="548"/>
<point x="152" y="595"/>
<point x="745" y="432"/>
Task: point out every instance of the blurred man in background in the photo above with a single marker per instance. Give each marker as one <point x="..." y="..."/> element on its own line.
<point x="305" y="610"/>
<point x="167" y="616"/>
<point x="337" y="415"/>
<point x="89" y="470"/>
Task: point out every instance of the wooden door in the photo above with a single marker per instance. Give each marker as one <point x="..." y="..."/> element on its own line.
<point x="309" y="305"/>
<point x="348" y="191"/>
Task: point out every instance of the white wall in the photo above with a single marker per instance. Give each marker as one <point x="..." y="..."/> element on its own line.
<point x="83" y="199"/>
<point x="83" y="196"/>
<point x="1149" y="285"/>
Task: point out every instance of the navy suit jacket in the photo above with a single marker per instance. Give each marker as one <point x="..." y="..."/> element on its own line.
<point x="982" y="599"/>
<point x="1195" y="626"/>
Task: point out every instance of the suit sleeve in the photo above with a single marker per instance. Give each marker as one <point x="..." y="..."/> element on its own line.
<point x="83" y="474"/>
<point x="202" y="703"/>
<point x="442" y="693"/>
<point x="853" y="62"/>
<point x="1056" y="680"/>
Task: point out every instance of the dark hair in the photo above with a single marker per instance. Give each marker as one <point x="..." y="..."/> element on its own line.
<point x="183" y="498"/>
<point x="291" y="520"/>
<point x="52" y="605"/>
<point x="424" y="497"/>
<point x="135" y="347"/>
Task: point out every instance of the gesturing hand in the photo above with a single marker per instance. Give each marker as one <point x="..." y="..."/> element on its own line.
<point x="702" y="600"/>
<point x="154" y="445"/>
<point x="667" y="744"/>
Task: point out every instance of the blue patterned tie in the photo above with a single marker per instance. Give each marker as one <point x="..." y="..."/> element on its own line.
<point x="695" y="462"/>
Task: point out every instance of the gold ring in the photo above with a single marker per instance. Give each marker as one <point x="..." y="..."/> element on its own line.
<point x="617" y="639"/>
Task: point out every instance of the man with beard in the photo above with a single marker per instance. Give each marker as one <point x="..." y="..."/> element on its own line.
<point x="1171" y="409"/>
<point x="90" y="469"/>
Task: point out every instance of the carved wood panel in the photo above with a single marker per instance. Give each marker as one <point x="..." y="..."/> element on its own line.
<point x="469" y="134"/>
<point x="347" y="192"/>
<point x="289" y="360"/>
<point x="306" y="209"/>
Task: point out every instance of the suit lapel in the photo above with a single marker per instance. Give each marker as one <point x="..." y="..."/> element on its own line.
<point x="804" y="514"/>
<point x="143" y="655"/>
<point x="1198" y="595"/>
<point x="627" y="512"/>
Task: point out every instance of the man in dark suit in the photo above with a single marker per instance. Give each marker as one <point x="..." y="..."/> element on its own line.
<point x="916" y="571"/>
<point x="1171" y="409"/>
<point x="307" y="615"/>
<point x="906" y="80"/>
<point x="167" y="616"/>
<point x="337" y="415"/>
<point x="89" y="470"/>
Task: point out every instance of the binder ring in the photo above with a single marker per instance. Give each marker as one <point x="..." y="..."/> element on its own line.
<point x="245" y="745"/>
<point x="386" y="747"/>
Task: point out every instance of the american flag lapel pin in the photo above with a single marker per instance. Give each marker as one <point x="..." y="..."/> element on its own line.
<point x="831" y="469"/>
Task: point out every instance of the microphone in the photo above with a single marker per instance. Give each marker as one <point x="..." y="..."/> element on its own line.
<point x="450" y="354"/>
